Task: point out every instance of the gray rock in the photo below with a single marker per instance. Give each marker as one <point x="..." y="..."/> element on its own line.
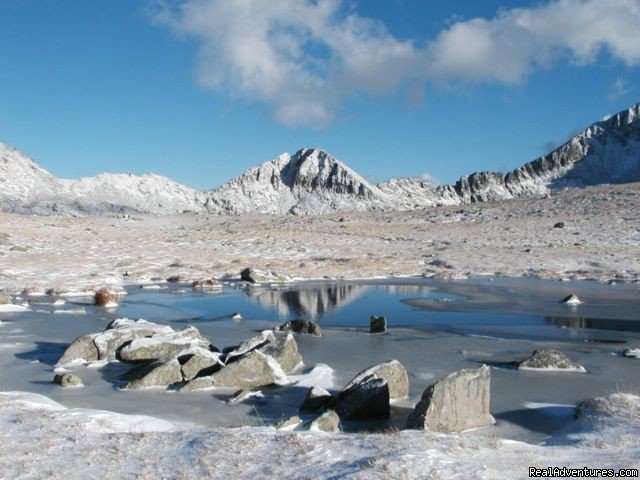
<point x="81" y="350"/>
<point x="365" y="400"/>
<point x="285" y="351"/>
<point x="145" y="349"/>
<point x="393" y="372"/>
<point x="558" y="225"/>
<point x="289" y="423"/>
<point x="67" y="380"/>
<point x="264" y="338"/>
<point x="316" y="399"/>
<point x="571" y="300"/>
<point x="301" y="326"/>
<point x="327" y="422"/>
<point x="251" y="371"/>
<point x="161" y="373"/>
<point x="256" y="275"/>
<point x="199" y="361"/>
<point x="550" y="359"/>
<point x="378" y="324"/>
<point x="122" y="331"/>
<point x="458" y="402"/>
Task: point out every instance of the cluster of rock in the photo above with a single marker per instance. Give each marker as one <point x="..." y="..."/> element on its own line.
<point x="184" y="359"/>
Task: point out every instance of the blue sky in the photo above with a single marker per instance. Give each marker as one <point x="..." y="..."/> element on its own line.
<point x="201" y="90"/>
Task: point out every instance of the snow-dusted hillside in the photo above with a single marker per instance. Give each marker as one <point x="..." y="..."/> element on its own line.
<point x="309" y="182"/>
<point x="25" y="187"/>
<point x="313" y="182"/>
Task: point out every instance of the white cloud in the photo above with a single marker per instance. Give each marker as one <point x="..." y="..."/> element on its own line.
<point x="303" y="58"/>
<point x="619" y="89"/>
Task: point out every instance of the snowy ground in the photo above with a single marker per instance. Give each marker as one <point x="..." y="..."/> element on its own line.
<point x="600" y="240"/>
<point x="41" y="439"/>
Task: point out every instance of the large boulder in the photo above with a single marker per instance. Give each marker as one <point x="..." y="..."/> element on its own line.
<point x="301" y="326"/>
<point x="316" y="399"/>
<point x="548" y="359"/>
<point x="198" y="361"/>
<point x="285" y="350"/>
<point x="145" y="349"/>
<point x="393" y="372"/>
<point x="329" y="422"/>
<point x="161" y="373"/>
<point x="81" y="350"/>
<point x="366" y="400"/>
<point x="256" y="275"/>
<point x="264" y="338"/>
<point x="250" y="371"/>
<point x="458" y="402"/>
<point x="104" y="346"/>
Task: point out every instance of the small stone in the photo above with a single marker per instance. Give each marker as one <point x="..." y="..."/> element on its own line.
<point x="631" y="352"/>
<point x="67" y="380"/>
<point x="174" y="279"/>
<point x="558" y="225"/>
<point x="378" y="324"/>
<point x="206" y="284"/>
<point x="256" y="275"/>
<point x="104" y="297"/>
<point x="301" y="326"/>
<point x="571" y="300"/>
<point x="327" y="422"/>
<point x="289" y="423"/>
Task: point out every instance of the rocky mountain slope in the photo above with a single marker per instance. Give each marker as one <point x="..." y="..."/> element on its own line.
<point x="313" y="182"/>
<point x="26" y="187"/>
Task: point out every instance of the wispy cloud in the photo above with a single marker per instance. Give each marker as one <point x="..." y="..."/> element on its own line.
<point x="619" y="89"/>
<point x="304" y="58"/>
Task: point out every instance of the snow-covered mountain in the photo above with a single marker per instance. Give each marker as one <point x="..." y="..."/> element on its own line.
<point x="313" y="182"/>
<point x="26" y="187"/>
<point x="309" y="182"/>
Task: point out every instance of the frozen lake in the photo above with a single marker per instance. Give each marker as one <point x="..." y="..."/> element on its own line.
<point x="435" y="327"/>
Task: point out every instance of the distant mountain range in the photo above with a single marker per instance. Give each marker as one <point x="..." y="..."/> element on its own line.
<point x="313" y="182"/>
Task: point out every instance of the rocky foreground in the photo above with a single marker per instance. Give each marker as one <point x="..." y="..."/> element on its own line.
<point x="591" y="233"/>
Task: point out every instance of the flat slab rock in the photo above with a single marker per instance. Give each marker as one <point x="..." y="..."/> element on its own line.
<point x="144" y="349"/>
<point x="460" y="401"/>
<point x="548" y="359"/>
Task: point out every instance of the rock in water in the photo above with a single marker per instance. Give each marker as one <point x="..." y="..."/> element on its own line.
<point x="366" y="400"/>
<point x="264" y="338"/>
<point x="67" y="380"/>
<point x="327" y="422"/>
<point x="571" y="300"/>
<point x="550" y="359"/>
<point x="378" y="324"/>
<point x="457" y="402"/>
<point x="631" y="352"/>
<point x="285" y="351"/>
<point x="317" y="398"/>
<point x="161" y="373"/>
<point x="393" y="372"/>
<point x="105" y="297"/>
<point x="301" y="326"/>
<point x="251" y="371"/>
<point x="255" y="275"/>
<point x="157" y="346"/>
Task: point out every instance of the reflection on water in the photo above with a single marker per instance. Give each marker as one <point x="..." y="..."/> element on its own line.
<point x="308" y="303"/>
<point x="314" y="302"/>
<point x="596" y="323"/>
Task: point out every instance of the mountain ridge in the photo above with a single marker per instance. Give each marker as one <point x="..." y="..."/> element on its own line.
<point x="312" y="182"/>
